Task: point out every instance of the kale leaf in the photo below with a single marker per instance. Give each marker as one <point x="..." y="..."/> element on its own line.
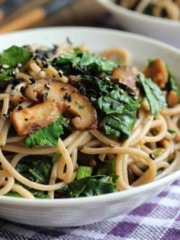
<point x="108" y="168"/>
<point x="119" y="113"/>
<point x="85" y="63"/>
<point x="89" y="186"/>
<point x="154" y="95"/>
<point x="36" y="168"/>
<point x="116" y="109"/>
<point x="47" y="136"/>
<point x="12" y="57"/>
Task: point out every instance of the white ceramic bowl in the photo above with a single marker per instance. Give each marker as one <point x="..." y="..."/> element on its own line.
<point x="155" y="27"/>
<point x="86" y="210"/>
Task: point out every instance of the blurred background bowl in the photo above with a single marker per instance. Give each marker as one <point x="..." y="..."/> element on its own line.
<point x="155" y="27"/>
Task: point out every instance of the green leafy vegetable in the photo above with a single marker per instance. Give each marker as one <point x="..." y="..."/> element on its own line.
<point x="13" y="194"/>
<point x="36" y="168"/>
<point x="172" y="83"/>
<point x="108" y="169"/>
<point x="47" y="136"/>
<point x="90" y="186"/>
<point x="149" y="9"/>
<point x="36" y="193"/>
<point x="117" y="111"/>
<point x="171" y="159"/>
<point x="83" y="172"/>
<point x="11" y="57"/>
<point x="85" y="63"/>
<point x="154" y="95"/>
<point x="171" y="131"/>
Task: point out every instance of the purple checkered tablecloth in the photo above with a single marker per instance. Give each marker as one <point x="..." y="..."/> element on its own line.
<point x="157" y="219"/>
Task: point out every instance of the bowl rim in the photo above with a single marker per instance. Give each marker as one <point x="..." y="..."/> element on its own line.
<point x="103" y="30"/>
<point x="105" y="197"/>
<point x="139" y="16"/>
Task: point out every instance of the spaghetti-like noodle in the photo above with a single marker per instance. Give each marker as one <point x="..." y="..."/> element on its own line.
<point x="160" y="8"/>
<point x="150" y="151"/>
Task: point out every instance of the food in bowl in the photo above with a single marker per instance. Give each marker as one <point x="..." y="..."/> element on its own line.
<point x="77" y="124"/>
<point x="169" y="9"/>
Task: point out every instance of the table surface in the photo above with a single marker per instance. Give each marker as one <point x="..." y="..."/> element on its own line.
<point x="157" y="219"/>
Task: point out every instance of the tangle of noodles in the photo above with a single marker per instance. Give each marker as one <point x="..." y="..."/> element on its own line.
<point x="160" y="8"/>
<point x="150" y="152"/>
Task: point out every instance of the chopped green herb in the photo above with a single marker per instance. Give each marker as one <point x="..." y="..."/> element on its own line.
<point x="171" y="131"/>
<point x="170" y="159"/>
<point x="172" y="83"/>
<point x="158" y="152"/>
<point x="47" y="136"/>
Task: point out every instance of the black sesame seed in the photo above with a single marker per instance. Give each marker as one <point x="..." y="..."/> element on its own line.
<point x="22" y="89"/>
<point x="68" y="97"/>
<point x="44" y="64"/>
<point x="12" y="74"/>
<point x="16" y="81"/>
<point x="44" y="96"/>
<point x="54" y="62"/>
<point x="60" y="72"/>
<point x="152" y="156"/>
<point x="20" y="107"/>
<point x="32" y="80"/>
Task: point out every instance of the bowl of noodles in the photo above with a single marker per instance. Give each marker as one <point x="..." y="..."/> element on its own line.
<point x="158" y="19"/>
<point x="89" y="124"/>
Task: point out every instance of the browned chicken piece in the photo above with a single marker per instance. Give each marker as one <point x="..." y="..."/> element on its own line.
<point x="52" y="98"/>
<point x="157" y="71"/>
<point x="125" y="78"/>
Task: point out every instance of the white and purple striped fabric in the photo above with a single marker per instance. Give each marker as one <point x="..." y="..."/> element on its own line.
<point x="157" y="219"/>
